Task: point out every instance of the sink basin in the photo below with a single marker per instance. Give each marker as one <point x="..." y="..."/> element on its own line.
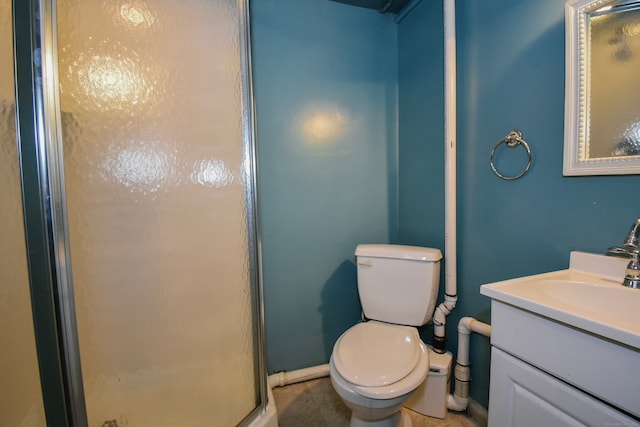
<point x="587" y="296"/>
<point x="613" y="304"/>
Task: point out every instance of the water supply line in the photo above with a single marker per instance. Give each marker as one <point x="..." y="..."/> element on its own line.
<point x="450" y="258"/>
<point x="459" y="400"/>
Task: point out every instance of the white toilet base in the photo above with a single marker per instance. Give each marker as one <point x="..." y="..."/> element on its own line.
<point x="399" y="419"/>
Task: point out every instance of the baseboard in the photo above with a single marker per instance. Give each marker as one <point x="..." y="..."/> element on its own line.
<point x="478" y="412"/>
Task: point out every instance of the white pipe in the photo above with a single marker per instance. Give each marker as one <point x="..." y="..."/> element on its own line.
<point x="459" y="400"/>
<point x="283" y="378"/>
<point x="450" y="259"/>
<point x="462" y="373"/>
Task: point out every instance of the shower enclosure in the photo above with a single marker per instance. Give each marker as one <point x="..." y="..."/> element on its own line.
<point x="134" y="152"/>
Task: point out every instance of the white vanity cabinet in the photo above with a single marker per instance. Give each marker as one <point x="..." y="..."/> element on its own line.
<point x="565" y="347"/>
<point x="540" y="369"/>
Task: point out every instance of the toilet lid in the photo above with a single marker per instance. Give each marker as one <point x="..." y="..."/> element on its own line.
<point x="373" y="354"/>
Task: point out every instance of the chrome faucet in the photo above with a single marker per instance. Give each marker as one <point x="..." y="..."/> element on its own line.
<point x="632" y="278"/>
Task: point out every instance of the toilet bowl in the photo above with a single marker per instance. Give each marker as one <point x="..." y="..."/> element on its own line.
<point x="374" y="368"/>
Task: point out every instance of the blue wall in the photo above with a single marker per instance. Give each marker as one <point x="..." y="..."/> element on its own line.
<point x="421" y="131"/>
<point x="510" y="76"/>
<point x="323" y="191"/>
<point x="325" y="85"/>
<point x="421" y="125"/>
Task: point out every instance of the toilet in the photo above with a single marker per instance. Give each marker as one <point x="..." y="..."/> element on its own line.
<point x="377" y="364"/>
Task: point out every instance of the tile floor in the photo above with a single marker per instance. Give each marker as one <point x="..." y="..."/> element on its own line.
<point x="315" y="404"/>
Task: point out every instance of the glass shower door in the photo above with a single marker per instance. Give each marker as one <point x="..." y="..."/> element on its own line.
<point x="158" y="195"/>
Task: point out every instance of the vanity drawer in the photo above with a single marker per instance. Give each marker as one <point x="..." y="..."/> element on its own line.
<point x="524" y="396"/>
<point x="602" y="368"/>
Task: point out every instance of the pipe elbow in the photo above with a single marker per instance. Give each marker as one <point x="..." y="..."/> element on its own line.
<point x="466" y="325"/>
<point x="278" y="379"/>
<point x="457" y="403"/>
<point x="444" y="309"/>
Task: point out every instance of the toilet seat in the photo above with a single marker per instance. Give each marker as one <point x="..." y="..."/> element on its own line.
<point x="362" y="358"/>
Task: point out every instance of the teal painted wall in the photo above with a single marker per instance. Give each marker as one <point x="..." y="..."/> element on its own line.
<point x="381" y="177"/>
<point x="510" y="76"/>
<point x="421" y="125"/>
<point x="421" y="131"/>
<point x="325" y="83"/>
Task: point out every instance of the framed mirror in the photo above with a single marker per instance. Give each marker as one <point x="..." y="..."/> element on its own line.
<point x="602" y="100"/>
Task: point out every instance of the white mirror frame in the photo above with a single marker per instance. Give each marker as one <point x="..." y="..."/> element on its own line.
<point x="576" y="133"/>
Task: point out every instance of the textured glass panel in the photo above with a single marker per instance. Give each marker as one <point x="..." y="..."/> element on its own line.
<point x="614" y="61"/>
<point x="20" y="393"/>
<point x="153" y="145"/>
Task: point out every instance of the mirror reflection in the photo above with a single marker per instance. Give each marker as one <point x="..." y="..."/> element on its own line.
<point x="614" y="60"/>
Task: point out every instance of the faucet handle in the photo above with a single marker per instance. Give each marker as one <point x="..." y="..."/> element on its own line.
<point x="632" y="278"/>
<point x="633" y="237"/>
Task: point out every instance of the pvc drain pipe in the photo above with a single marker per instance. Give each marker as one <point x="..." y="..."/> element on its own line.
<point x="282" y="378"/>
<point x="450" y="150"/>
<point x="462" y="373"/>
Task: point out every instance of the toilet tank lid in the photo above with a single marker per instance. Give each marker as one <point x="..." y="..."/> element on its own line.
<point x="416" y="253"/>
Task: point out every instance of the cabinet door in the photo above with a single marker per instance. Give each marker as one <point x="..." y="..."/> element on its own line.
<point x="523" y="396"/>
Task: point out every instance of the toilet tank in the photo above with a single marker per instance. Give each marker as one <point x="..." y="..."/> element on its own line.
<point x="398" y="284"/>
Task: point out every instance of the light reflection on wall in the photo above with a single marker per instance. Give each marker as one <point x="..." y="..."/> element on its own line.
<point x="322" y="124"/>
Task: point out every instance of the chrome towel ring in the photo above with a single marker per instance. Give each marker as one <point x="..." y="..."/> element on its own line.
<point x="513" y="139"/>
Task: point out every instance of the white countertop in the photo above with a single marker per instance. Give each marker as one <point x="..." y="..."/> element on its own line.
<point x="588" y="295"/>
